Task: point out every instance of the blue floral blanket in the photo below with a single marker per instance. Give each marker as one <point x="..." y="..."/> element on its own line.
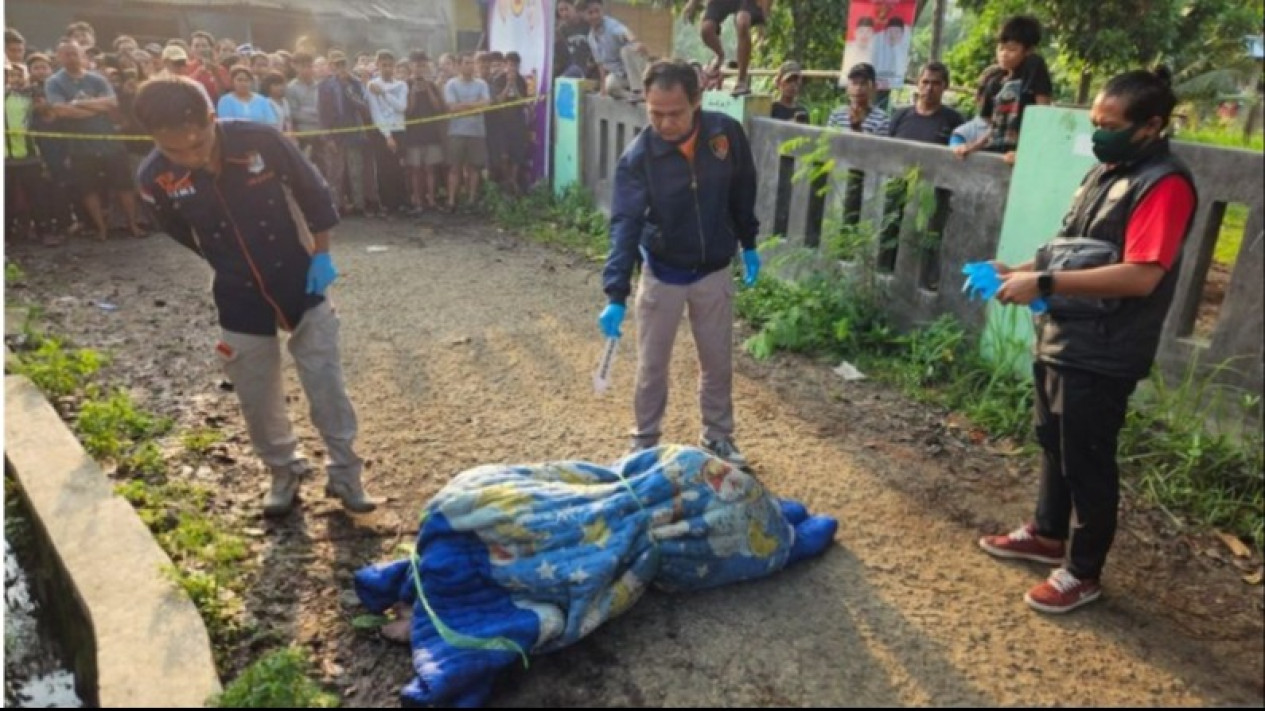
<point x="518" y="560"/>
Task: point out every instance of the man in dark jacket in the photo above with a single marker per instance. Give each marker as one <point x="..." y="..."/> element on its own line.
<point x="241" y="196"/>
<point x="684" y="200"/>
<point x="343" y="108"/>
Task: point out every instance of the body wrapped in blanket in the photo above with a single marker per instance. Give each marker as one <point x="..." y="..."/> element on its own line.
<point x="519" y="560"/>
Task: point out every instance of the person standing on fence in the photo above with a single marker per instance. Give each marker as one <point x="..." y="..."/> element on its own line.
<point x="242" y="196"/>
<point x="684" y="202"/>
<point x="747" y="14"/>
<point x="1108" y="279"/>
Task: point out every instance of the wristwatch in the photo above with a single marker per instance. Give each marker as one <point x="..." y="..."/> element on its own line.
<point x="1045" y="284"/>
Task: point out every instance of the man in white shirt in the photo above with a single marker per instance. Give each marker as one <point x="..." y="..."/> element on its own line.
<point x="388" y="101"/>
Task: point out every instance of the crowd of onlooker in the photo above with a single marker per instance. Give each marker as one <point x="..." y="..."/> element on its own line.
<point x="1019" y="79"/>
<point x="391" y="133"/>
<point x="400" y="133"/>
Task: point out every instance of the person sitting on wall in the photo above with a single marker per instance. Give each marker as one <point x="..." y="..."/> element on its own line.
<point x="1026" y="82"/>
<point x="620" y="58"/>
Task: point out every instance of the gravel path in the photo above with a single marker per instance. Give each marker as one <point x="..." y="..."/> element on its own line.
<point x="464" y="345"/>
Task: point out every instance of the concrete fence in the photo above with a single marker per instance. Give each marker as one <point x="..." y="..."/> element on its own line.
<point x="921" y="252"/>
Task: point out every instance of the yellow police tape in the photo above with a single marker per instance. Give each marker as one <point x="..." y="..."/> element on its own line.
<point x="293" y="134"/>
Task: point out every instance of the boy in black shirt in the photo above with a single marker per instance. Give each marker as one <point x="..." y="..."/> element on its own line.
<point x="1026" y="82"/>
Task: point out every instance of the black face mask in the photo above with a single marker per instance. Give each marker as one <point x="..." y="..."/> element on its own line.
<point x="1117" y="146"/>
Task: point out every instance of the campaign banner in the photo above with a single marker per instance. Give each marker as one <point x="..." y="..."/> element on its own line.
<point x="879" y="33"/>
<point x="526" y="27"/>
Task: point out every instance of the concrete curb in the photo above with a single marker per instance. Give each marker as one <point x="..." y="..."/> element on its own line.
<point x="140" y="642"/>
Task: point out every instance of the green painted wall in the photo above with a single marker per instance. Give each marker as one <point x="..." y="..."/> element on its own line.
<point x="1054" y="154"/>
<point x="568" y="106"/>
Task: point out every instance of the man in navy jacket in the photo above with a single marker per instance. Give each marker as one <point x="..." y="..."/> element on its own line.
<point x="684" y="201"/>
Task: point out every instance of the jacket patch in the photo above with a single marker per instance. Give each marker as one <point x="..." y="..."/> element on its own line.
<point x="720" y="146"/>
<point x="1118" y="190"/>
<point x="176" y="187"/>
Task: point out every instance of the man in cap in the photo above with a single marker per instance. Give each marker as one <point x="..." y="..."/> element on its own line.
<point x="789" y="80"/>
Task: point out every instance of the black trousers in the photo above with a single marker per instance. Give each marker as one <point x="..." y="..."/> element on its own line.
<point x="42" y="201"/>
<point x="1078" y="419"/>
<point x="391" y="188"/>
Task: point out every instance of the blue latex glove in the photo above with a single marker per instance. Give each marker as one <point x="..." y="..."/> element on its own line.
<point x="751" y="261"/>
<point x="610" y="320"/>
<point x="983" y="283"/>
<point x="321" y="273"/>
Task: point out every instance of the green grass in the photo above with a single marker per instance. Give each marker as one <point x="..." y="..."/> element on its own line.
<point x="13" y="274"/>
<point x="210" y="557"/>
<point x="112" y="427"/>
<point x="1230" y="239"/>
<point x="56" y="369"/>
<point x="1226" y="137"/>
<point x="279" y="679"/>
<point x="570" y="221"/>
<point x="200" y="441"/>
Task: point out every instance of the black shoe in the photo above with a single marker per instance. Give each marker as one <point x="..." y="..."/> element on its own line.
<point x="726" y="450"/>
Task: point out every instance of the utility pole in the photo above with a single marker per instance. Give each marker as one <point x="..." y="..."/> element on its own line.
<point x="937" y="27"/>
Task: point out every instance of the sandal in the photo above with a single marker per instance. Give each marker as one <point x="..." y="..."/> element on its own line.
<point x="741" y="89"/>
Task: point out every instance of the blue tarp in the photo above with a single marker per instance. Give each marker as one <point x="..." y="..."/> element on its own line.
<point x="519" y="560"/>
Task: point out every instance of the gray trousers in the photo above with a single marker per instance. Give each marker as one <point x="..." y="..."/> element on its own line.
<point x="253" y="364"/>
<point x="354" y="162"/>
<point x="659" y="309"/>
<point x="634" y="69"/>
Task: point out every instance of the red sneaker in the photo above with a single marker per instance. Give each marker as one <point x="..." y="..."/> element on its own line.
<point x="1062" y="592"/>
<point x="1022" y="543"/>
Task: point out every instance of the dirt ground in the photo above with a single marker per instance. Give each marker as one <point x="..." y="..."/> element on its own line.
<point x="464" y="346"/>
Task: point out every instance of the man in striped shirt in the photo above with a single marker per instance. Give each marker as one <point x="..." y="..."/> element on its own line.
<point x="860" y="114"/>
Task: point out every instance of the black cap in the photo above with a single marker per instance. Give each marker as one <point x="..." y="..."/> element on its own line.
<point x="863" y="70"/>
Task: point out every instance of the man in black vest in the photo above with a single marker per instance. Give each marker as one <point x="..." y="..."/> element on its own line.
<point x="1108" y="278"/>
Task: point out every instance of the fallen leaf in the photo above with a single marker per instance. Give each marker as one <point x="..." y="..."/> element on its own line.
<point x="1254" y="578"/>
<point x="1237" y="547"/>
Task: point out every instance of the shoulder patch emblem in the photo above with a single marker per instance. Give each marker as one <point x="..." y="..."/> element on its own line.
<point x="256" y="164"/>
<point x="1118" y="190"/>
<point x="720" y="146"/>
